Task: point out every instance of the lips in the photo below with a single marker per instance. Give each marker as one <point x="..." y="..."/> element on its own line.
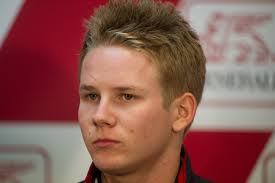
<point x="104" y="143"/>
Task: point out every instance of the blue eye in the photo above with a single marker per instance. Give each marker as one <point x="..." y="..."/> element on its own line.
<point x="127" y="96"/>
<point x="92" y="96"/>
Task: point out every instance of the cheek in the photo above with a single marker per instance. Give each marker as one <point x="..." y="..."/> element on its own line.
<point x="147" y="123"/>
<point x="84" y="120"/>
<point x="84" y="113"/>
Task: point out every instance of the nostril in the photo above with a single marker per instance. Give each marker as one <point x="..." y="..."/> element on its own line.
<point x="101" y="119"/>
<point x="98" y="121"/>
<point x="101" y="122"/>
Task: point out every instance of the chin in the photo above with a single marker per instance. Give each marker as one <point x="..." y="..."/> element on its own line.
<point x="113" y="169"/>
<point x="114" y="166"/>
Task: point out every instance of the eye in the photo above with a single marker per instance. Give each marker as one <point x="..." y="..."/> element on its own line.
<point x="127" y="96"/>
<point x="92" y="96"/>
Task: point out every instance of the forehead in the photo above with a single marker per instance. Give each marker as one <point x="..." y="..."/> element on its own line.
<point x="117" y="66"/>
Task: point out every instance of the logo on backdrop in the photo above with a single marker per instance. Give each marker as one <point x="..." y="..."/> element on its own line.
<point x="24" y="164"/>
<point x="240" y="48"/>
<point x="237" y="37"/>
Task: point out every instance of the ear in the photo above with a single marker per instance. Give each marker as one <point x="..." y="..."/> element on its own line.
<point x="185" y="109"/>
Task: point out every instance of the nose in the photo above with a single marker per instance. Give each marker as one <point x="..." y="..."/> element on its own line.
<point x="103" y="116"/>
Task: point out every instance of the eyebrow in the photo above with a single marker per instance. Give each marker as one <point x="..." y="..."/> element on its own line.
<point x="86" y="87"/>
<point x="128" y="88"/>
<point x="120" y="89"/>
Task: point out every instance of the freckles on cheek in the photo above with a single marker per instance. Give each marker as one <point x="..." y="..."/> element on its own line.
<point x="84" y="123"/>
<point x="87" y="133"/>
<point x="84" y="115"/>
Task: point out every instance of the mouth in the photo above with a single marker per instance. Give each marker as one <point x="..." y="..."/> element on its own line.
<point x="104" y="143"/>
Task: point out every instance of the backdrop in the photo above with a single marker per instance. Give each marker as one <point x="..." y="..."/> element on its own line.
<point x="233" y="135"/>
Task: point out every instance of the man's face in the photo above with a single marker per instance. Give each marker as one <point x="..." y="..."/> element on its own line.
<point x="121" y="114"/>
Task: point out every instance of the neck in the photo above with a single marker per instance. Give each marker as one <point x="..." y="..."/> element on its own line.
<point x="163" y="169"/>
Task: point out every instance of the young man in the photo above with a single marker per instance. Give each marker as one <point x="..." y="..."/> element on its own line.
<point x="142" y="73"/>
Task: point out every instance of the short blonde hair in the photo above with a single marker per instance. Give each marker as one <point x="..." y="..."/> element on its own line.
<point x="158" y="30"/>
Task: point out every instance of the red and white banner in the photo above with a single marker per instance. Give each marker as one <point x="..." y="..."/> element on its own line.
<point x="233" y="135"/>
